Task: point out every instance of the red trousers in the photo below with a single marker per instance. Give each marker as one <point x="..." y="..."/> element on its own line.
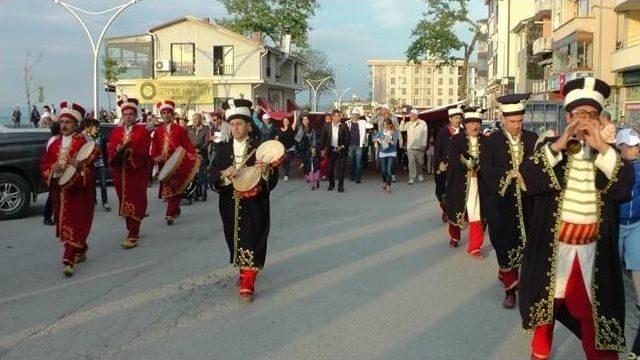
<point x="577" y="303"/>
<point x="476" y="235"/>
<point x="173" y="206"/>
<point x="70" y="253"/>
<point x="133" y="226"/>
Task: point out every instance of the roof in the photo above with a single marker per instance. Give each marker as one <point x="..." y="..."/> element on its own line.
<point x="522" y="24"/>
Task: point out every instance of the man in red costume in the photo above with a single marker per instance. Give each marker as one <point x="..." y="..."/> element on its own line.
<point x="167" y="138"/>
<point x="129" y="161"/>
<point x="73" y="203"/>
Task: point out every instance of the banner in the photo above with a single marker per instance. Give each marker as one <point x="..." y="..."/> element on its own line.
<point x="180" y="91"/>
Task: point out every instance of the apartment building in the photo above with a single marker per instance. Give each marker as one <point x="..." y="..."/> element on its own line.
<point x="421" y="85"/>
<point x="625" y="61"/>
<point x="200" y="65"/>
<point x="503" y="16"/>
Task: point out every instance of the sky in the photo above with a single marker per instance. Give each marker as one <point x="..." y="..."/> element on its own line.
<point x="349" y="31"/>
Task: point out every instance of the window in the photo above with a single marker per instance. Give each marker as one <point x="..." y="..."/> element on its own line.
<point x="295" y="73"/>
<point x="440" y="71"/>
<point x="428" y="102"/>
<point x="439" y="102"/>
<point x="428" y="91"/>
<point x="582" y="8"/>
<point x="450" y="92"/>
<point x="268" y="68"/>
<point x="428" y="71"/>
<point x="451" y="68"/>
<point x="428" y="81"/>
<point x="392" y="81"/>
<point x="393" y="69"/>
<point x="276" y="98"/>
<point x="416" y="70"/>
<point x="404" y="69"/>
<point x="416" y="91"/>
<point x="403" y="80"/>
<point x="223" y="60"/>
<point x="183" y="59"/>
<point x="439" y="91"/>
<point x="416" y="81"/>
<point x="404" y="91"/>
<point x="392" y="91"/>
<point x="450" y="81"/>
<point x="440" y="81"/>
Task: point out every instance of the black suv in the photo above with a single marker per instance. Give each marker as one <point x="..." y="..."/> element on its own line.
<point x="20" y="182"/>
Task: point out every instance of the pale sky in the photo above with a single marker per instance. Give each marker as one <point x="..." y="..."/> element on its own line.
<point x="348" y="31"/>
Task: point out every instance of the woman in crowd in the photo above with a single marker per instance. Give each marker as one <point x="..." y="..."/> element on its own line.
<point x="307" y="142"/>
<point x="387" y="138"/>
<point x="286" y="136"/>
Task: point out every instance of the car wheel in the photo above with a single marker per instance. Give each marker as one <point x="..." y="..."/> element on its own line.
<point x="14" y="196"/>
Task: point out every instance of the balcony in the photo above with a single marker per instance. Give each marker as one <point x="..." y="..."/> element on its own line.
<point x="541" y="46"/>
<point x="543" y="8"/>
<point x="627" y="55"/>
<point x="575" y="25"/>
<point x="223" y="70"/>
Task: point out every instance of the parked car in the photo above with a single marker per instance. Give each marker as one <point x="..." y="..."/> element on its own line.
<point x="20" y="182"/>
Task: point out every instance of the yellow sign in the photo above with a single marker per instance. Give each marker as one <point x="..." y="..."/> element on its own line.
<point x="181" y="91"/>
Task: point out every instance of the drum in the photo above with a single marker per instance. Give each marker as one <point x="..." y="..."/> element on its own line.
<point x="247" y="182"/>
<point x="171" y="165"/>
<point x="178" y="172"/>
<point x="70" y="172"/>
<point x="271" y="152"/>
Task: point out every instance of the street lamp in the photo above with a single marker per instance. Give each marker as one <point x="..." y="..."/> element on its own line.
<point x="95" y="45"/>
<point x="314" y="91"/>
<point x="339" y="95"/>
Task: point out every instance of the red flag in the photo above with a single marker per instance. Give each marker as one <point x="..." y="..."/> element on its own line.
<point x="292" y="106"/>
<point x="277" y="115"/>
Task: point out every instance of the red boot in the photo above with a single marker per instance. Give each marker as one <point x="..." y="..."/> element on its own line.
<point x="247" y="284"/>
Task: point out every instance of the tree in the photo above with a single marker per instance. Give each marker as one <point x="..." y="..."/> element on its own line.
<point x="29" y="64"/>
<point x="435" y="36"/>
<point x="272" y="18"/>
<point x="317" y="67"/>
<point x="112" y="69"/>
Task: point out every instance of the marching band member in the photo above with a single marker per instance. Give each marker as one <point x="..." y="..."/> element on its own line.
<point x="73" y="203"/>
<point x="441" y="149"/>
<point x="245" y="218"/>
<point x="505" y="196"/>
<point x="129" y="160"/>
<point x="571" y="269"/>
<point x="166" y="139"/>
<point x="463" y="193"/>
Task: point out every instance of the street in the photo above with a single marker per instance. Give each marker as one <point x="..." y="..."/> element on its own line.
<point x="358" y="275"/>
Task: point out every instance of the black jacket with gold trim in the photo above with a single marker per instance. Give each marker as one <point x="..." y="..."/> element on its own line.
<point x="538" y="276"/>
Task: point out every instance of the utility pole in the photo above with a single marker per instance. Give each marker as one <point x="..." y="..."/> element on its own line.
<point x="95" y="45"/>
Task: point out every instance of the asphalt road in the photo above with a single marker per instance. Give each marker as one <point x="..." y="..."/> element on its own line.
<point x="358" y="275"/>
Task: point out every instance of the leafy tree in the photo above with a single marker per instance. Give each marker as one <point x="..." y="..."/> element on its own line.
<point x="435" y="36"/>
<point x="273" y="18"/>
<point x="112" y="69"/>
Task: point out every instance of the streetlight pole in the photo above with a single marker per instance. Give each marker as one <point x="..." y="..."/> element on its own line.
<point x="339" y="95"/>
<point x="314" y="91"/>
<point x="95" y="45"/>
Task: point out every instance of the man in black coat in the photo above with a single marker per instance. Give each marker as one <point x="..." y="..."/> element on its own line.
<point x="504" y="198"/>
<point x="245" y="215"/>
<point x="335" y="141"/>
<point x="443" y="139"/>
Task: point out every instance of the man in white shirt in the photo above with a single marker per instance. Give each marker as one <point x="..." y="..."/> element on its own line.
<point x="416" y="144"/>
<point x="358" y="134"/>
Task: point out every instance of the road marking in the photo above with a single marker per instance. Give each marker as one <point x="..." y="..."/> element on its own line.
<point x="76" y="282"/>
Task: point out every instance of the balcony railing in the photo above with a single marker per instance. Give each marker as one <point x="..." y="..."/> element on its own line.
<point x="541" y="45"/>
<point x="223" y="70"/>
<point x="628" y="42"/>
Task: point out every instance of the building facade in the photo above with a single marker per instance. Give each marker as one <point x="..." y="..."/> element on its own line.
<point x="503" y="16"/>
<point x="625" y="61"/>
<point x="200" y="65"/>
<point x="421" y="85"/>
